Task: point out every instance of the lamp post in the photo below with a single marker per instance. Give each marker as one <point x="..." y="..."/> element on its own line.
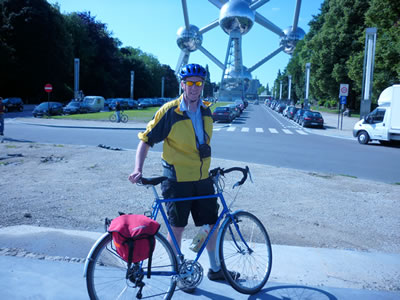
<point x="308" y="67"/>
<point x="132" y="82"/>
<point x="76" y="78"/>
<point x="280" y="90"/>
<point x="368" y="71"/>
<point x="290" y="87"/>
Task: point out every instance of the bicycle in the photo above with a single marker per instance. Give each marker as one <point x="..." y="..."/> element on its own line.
<point x="123" y="117"/>
<point x="243" y="246"/>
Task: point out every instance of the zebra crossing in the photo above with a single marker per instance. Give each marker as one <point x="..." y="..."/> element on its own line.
<point x="287" y="131"/>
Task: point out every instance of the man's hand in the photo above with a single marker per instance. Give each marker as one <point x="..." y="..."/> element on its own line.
<point x="135" y="176"/>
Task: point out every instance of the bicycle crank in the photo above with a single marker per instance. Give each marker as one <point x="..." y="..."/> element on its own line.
<point x="190" y="274"/>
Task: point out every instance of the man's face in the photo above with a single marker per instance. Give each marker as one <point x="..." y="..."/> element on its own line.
<point x="191" y="90"/>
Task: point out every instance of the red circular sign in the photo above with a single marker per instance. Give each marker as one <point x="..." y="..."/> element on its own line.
<point x="48" y="88"/>
<point x="343" y="90"/>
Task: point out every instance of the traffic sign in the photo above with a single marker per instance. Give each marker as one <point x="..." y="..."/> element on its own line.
<point x="343" y="99"/>
<point x="48" y="88"/>
<point x="344" y="89"/>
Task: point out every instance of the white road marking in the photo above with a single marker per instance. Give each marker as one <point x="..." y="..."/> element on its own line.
<point x="302" y="132"/>
<point x="287" y="131"/>
<point x="245" y="129"/>
<point x="259" y="130"/>
<point x="231" y="128"/>
<point x="273" y="130"/>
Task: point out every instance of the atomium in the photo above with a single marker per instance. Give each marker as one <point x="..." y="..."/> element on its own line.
<point x="236" y="18"/>
<point x="290" y="39"/>
<point x="189" y="39"/>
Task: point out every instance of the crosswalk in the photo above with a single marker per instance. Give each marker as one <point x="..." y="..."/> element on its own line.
<point x="260" y="130"/>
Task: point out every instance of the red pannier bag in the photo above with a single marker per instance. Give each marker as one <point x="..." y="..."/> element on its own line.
<point x="134" y="237"/>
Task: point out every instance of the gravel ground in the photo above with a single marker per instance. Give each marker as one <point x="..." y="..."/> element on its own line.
<point x="76" y="187"/>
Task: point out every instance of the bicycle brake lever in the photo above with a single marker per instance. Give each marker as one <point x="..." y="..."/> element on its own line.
<point x="235" y="185"/>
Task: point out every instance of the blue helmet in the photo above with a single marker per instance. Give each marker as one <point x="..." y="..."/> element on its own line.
<point x="192" y="70"/>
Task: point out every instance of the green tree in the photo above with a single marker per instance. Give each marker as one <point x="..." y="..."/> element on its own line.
<point x="35" y="49"/>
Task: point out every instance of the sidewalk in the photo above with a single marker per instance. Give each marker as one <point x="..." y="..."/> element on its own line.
<point x="50" y="266"/>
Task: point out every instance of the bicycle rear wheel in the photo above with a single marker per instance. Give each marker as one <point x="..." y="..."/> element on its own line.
<point x="113" y="118"/>
<point x="252" y="263"/>
<point x="106" y="273"/>
<point x="124" y="118"/>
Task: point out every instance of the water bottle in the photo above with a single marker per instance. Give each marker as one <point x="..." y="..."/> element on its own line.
<point x="200" y="237"/>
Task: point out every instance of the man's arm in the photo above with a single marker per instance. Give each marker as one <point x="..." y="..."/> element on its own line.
<point x="141" y="153"/>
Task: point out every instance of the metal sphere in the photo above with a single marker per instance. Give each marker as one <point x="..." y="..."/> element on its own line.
<point x="291" y="38"/>
<point x="231" y="73"/>
<point x="189" y="40"/>
<point x="236" y="15"/>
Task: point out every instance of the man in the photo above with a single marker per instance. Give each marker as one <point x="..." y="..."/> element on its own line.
<point x="185" y="125"/>
<point x="118" y="111"/>
<point x="2" y="109"/>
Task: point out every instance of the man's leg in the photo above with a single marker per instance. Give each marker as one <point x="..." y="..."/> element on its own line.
<point x="178" y="233"/>
<point x="211" y="245"/>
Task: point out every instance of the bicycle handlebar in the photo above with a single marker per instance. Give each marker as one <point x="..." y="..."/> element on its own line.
<point x="221" y="171"/>
<point x="214" y="172"/>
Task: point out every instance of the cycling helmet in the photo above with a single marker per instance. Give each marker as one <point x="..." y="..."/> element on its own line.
<point x="192" y="70"/>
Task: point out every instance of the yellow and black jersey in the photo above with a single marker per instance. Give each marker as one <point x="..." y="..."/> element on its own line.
<point x="180" y="150"/>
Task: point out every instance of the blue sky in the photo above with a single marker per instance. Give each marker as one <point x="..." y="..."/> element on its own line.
<point x="152" y="25"/>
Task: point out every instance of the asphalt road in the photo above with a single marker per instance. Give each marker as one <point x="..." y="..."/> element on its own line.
<point x="258" y="136"/>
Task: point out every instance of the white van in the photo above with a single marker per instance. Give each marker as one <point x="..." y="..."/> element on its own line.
<point x="383" y="123"/>
<point x="94" y="103"/>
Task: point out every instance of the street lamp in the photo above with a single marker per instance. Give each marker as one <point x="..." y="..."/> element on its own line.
<point x="290" y="87"/>
<point x="308" y="67"/>
<point x="132" y="83"/>
<point x="368" y="71"/>
<point x="280" y="90"/>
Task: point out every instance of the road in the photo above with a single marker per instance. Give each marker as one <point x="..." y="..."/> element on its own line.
<point x="259" y="136"/>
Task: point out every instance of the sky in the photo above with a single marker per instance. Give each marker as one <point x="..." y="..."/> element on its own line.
<point x="152" y="26"/>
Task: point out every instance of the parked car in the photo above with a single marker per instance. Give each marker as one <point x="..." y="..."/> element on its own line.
<point x="240" y="104"/>
<point x="298" y="115"/>
<point x="75" y="107"/>
<point x="145" y="102"/>
<point x="13" y="104"/>
<point x="235" y="109"/>
<point x="48" y="109"/>
<point x="312" y="118"/>
<point x="291" y="112"/>
<point x="256" y="102"/>
<point x="280" y="108"/>
<point x="125" y="103"/>
<point x="93" y="103"/>
<point x="223" y="113"/>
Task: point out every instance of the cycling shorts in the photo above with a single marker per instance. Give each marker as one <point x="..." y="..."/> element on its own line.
<point x="204" y="211"/>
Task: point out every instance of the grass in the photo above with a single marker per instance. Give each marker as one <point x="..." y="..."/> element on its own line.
<point x="331" y="110"/>
<point x="141" y="115"/>
<point x="138" y="115"/>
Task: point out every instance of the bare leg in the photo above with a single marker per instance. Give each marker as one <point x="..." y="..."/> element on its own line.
<point x="213" y="240"/>
<point x="178" y="232"/>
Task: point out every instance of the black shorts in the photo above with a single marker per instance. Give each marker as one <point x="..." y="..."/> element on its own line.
<point x="204" y="211"/>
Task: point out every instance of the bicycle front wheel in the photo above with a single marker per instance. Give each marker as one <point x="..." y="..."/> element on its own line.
<point x="113" y="118"/>
<point x="245" y="253"/>
<point x="124" y="118"/>
<point x="106" y="273"/>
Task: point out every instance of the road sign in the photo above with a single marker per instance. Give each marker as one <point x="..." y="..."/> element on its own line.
<point x="344" y="89"/>
<point x="343" y="99"/>
<point x="48" y="88"/>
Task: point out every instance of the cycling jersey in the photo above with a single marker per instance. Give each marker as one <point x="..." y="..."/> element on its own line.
<point x="180" y="150"/>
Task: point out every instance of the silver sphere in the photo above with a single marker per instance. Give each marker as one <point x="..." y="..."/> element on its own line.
<point x="236" y="15"/>
<point x="189" y="40"/>
<point x="291" y="38"/>
<point x="231" y="73"/>
<point x="233" y="79"/>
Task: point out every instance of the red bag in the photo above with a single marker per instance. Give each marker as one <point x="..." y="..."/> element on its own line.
<point x="134" y="237"/>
